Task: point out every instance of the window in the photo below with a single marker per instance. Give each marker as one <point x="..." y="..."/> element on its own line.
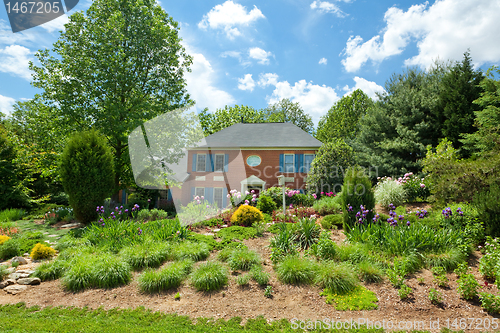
<point x="200" y="192"/>
<point x="308" y="158"/>
<point x="201" y="163"/>
<point x="289" y="163"/>
<point x="218" y="197"/>
<point x="219" y="162"/>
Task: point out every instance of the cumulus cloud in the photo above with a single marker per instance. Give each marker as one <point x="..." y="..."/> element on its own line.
<point x="259" y="54"/>
<point x="246" y="82"/>
<point x="201" y="84"/>
<point x="268" y="79"/>
<point x="368" y="87"/>
<point x="323" y="61"/>
<point x="443" y="30"/>
<point x="15" y="59"/>
<point x="6" y="104"/>
<point x="327" y="7"/>
<point x="56" y="24"/>
<point x="230" y="17"/>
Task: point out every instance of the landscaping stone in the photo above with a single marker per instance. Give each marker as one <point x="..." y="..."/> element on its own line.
<point x="26" y="271"/>
<point x="7" y="283"/>
<point x="20" y="260"/>
<point x="53" y="236"/>
<point x="14" y="276"/>
<point x="208" y="234"/>
<point x="29" y="281"/>
<point x="71" y="225"/>
<point x="11" y="270"/>
<point x="224" y="226"/>
<point x="26" y="255"/>
<point x="15" y="289"/>
<point x="216" y="230"/>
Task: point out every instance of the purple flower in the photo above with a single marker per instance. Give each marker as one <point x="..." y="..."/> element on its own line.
<point x="408" y="223"/>
<point x="401" y="217"/>
<point x="139" y="231"/>
<point x="120" y="212"/>
<point x="126" y="210"/>
<point x="149" y="200"/>
<point x="116" y="208"/>
<point x="121" y="207"/>
<point x="422" y="185"/>
<point x="349" y="208"/>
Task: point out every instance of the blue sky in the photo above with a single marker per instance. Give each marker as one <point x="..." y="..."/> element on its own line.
<point x="253" y="52"/>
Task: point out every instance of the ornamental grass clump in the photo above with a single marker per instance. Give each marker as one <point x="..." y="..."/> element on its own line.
<point x="42" y="251"/>
<point x="190" y="250"/>
<point x="338" y="278"/>
<point x="50" y="270"/>
<point x="209" y="276"/>
<point x="167" y="278"/>
<point x="307" y="232"/>
<point x="243" y="259"/>
<point x="149" y="254"/>
<point x="259" y="275"/>
<point x="449" y="259"/>
<point x="389" y="191"/>
<point x="370" y="272"/>
<point x="296" y="270"/>
<point x="283" y="244"/>
<point x="110" y="271"/>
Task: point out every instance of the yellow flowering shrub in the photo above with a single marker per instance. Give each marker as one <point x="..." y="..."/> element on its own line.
<point x="246" y="215"/>
<point x="3" y="239"/>
<point x="41" y="251"/>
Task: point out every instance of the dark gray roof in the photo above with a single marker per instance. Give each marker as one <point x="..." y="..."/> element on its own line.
<point x="275" y="135"/>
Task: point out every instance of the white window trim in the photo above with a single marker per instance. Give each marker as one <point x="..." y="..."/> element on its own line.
<point x="198" y="162"/>
<point x="284" y="163"/>
<point x="304" y="170"/>
<point x="223" y="162"/>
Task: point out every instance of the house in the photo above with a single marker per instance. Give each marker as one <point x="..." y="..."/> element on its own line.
<point x="246" y="157"/>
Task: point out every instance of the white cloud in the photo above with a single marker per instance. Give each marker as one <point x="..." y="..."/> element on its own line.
<point x="201" y="85"/>
<point x="368" y="87"/>
<point x="229" y="16"/>
<point x="323" y="61"/>
<point x="259" y="54"/>
<point x="6" y="105"/>
<point x="246" y="83"/>
<point x="15" y="59"/>
<point x="327" y="7"/>
<point x="268" y="79"/>
<point x="56" y="24"/>
<point x="232" y="54"/>
<point x="443" y="30"/>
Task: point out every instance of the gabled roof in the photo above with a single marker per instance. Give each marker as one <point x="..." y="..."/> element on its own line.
<point x="262" y="135"/>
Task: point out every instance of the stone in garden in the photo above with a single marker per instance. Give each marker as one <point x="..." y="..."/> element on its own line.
<point x="71" y="225"/>
<point x="53" y="236"/>
<point x="26" y="254"/>
<point x="216" y="230"/>
<point x="29" y="281"/>
<point x="11" y="270"/>
<point x="208" y="234"/>
<point x="15" y="289"/>
<point x="224" y="226"/>
<point x="14" y="276"/>
<point x="26" y="271"/>
<point x="20" y="260"/>
<point x="7" y="283"/>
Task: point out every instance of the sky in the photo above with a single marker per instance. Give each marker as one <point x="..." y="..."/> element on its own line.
<point x="255" y="53"/>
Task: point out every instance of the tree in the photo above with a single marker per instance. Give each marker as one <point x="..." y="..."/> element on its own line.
<point x="87" y="173"/>
<point x="285" y="111"/>
<point x="460" y="86"/>
<point x="115" y="67"/>
<point x="342" y="120"/>
<point x="213" y="122"/>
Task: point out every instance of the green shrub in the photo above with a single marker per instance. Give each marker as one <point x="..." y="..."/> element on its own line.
<point x="68" y="241"/>
<point x="169" y="277"/>
<point x="268" y="292"/>
<point x="283" y="244"/>
<point x="490" y="302"/>
<point x="489" y="210"/>
<point x="246" y="215"/>
<point x="207" y="239"/>
<point x="328" y="221"/>
<point x="258" y="274"/>
<point x="237" y="232"/>
<point x="243" y="259"/>
<point x="352" y="252"/>
<point x="296" y="270"/>
<point x="11" y="214"/>
<point x="467" y="286"/>
<point x="148" y="254"/>
<point x="266" y="204"/>
<point x="9" y="249"/>
<point x="435" y="296"/>
<point x="209" y="276"/>
<point x="328" y="205"/>
<point x="488" y="262"/>
<point x="51" y="270"/>
<point x="193" y="251"/>
<point x="326" y="248"/>
<point x="3" y="272"/>
<point x="389" y="191"/>
<point x="370" y="272"/>
<point x="110" y="271"/>
<point x="307" y="232"/>
<point x="28" y="240"/>
<point x="357" y="191"/>
<point x="79" y="275"/>
<point x="299" y="199"/>
<point x="243" y="279"/>
<point x="449" y="260"/>
<point x="440" y="277"/>
<point x="87" y="173"/>
<point x="338" y="278"/>
<point x="404" y="291"/>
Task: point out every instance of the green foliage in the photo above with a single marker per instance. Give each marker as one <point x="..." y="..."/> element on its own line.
<point x="210" y="275"/>
<point x="207" y="239"/>
<point x="276" y="193"/>
<point x="3" y="272"/>
<point x="28" y="240"/>
<point x="332" y="221"/>
<point x="357" y="191"/>
<point x="266" y="204"/>
<point x="389" y="191"/>
<point x="435" y="296"/>
<point x="489" y="210"/>
<point x="328" y="167"/>
<point x="283" y="244"/>
<point x="237" y="232"/>
<point x="356" y="300"/>
<point x="467" y="286"/>
<point x="490" y="302"/>
<point x="449" y="260"/>
<point x="246" y="215"/>
<point x="243" y="279"/>
<point x="325" y="249"/>
<point x="440" y="278"/>
<point x="148" y="254"/>
<point x="352" y="252"/>
<point x="404" y="291"/>
<point x="190" y="250"/>
<point x="338" y="278"/>
<point x="307" y="232"/>
<point x="151" y="215"/>
<point x="286" y="111"/>
<point x="42" y="251"/>
<point x="9" y="249"/>
<point x="370" y="272"/>
<point x="395" y="277"/>
<point x="11" y="214"/>
<point x="167" y="278"/>
<point x="258" y="274"/>
<point x="415" y="187"/>
<point x="87" y="173"/>
<point x="296" y="270"/>
<point x="243" y="259"/>
<point x="50" y="270"/>
<point x="110" y="271"/>
<point x="488" y="262"/>
<point x="268" y="292"/>
<point x="68" y="241"/>
<point x="328" y="205"/>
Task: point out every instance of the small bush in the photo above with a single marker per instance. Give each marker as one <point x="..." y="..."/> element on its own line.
<point x="79" y="275"/>
<point x="243" y="279"/>
<point x="435" y="296"/>
<point x="389" y="191"/>
<point x="68" y="241"/>
<point x="258" y="274"/>
<point x="307" y="232"/>
<point x="440" y="277"/>
<point x="354" y="253"/>
<point x="243" y="259"/>
<point x="246" y="215"/>
<point x="9" y="249"/>
<point x="237" y="232"/>
<point x="51" y="270"/>
<point x="110" y="271"/>
<point x="449" y="259"/>
<point x="490" y="302"/>
<point x="266" y="204"/>
<point x="304" y="200"/>
<point x="369" y="272"/>
<point x="167" y="278"/>
<point x="11" y="215"/>
<point x="338" y="278"/>
<point x="329" y="221"/>
<point x="283" y="244"/>
<point x="149" y="254"/>
<point x="268" y="292"/>
<point x="326" y="248"/>
<point x="3" y="272"/>
<point x="404" y="291"/>
<point x="467" y="286"/>
<point x="328" y="205"/>
<point x="489" y="210"/>
<point x="296" y="270"/>
<point x="41" y="251"/>
<point x="3" y="239"/>
<point x="193" y="251"/>
<point x="357" y="191"/>
<point x="209" y="276"/>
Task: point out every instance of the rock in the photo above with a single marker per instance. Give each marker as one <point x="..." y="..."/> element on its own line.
<point x="15" y="289"/>
<point x="25" y="271"/>
<point x="71" y="225"/>
<point x="20" y="260"/>
<point x="7" y="283"/>
<point x="208" y="234"/>
<point x="29" y="281"/>
<point x="26" y="254"/>
<point x="53" y="236"/>
<point x="224" y="226"/>
<point x="14" y="276"/>
<point x="216" y="230"/>
<point x="11" y="270"/>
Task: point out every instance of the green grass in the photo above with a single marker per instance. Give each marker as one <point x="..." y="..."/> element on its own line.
<point x="50" y="270"/>
<point x="207" y="239"/>
<point x="358" y="299"/>
<point x="191" y="250"/>
<point x="328" y="205"/>
<point x="110" y="271"/>
<point x="166" y="278"/>
<point x="209" y="276"/>
<point x="243" y="259"/>
<point x="449" y="259"/>
<point x="296" y="270"/>
<point x="369" y="272"/>
<point x="258" y="274"/>
<point x="338" y="278"/>
<point x="354" y="253"/>
<point x="149" y="254"/>
<point x="237" y="232"/>
<point x="11" y="215"/>
<point x="243" y="279"/>
<point x="3" y="272"/>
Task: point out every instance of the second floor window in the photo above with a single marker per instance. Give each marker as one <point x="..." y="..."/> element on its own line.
<point x="219" y="162"/>
<point x="201" y="162"/>
<point x="308" y="158"/>
<point x="289" y="163"/>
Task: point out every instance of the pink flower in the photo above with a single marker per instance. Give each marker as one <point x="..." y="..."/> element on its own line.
<point x="422" y="185"/>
